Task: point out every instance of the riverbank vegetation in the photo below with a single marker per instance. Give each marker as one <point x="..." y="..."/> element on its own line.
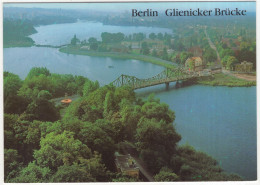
<point x="42" y="146"/>
<point x="16" y="32"/>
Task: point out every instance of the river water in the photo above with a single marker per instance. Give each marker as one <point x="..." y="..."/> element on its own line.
<point x="63" y="33"/>
<point x="220" y="121"/>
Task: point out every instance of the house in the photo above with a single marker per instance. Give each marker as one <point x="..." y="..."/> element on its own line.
<point x="170" y="51"/>
<point x="194" y="64"/>
<point x="244" y="67"/>
<point x="85" y="48"/>
<point x="126" y="165"/>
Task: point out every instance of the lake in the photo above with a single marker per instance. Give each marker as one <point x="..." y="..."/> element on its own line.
<point x="103" y="69"/>
<point x="63" y="33"/>
<point x="220" y="121"/>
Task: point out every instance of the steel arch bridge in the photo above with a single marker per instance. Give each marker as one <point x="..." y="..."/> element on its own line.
<point x="166" y="76"/>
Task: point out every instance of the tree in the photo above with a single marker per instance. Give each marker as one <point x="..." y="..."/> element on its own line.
<point x="247" y="55"/>
<point x="231" y="61"/>
<point x="156" y="142"/>
<point x="124" y="178"/>
<point x="94" y="46"/>
<point x="108" y="104"/>
<point x="11" y="164"/>
<point x="209" y="55"/>
<point x="89" y="87"/>
<point x="224" y="61"/>
<point x="72" y="173"/>
<point x="138" y="36"/>
<point x="156" y="110"/>
<point x="27" y="135"/>
<point x="86" y="170"/>
<point x="166" y="175"/>
<point x="92" y="40"/>
<point x="9" y="134"/>
<point x="160" y="36"/>
<point x="60" y="149"/>
<point x="144" y="48"/>
<point x="130" y="115"/>
<point x="198" y="166"/>
<point x="43" y="94"/>
<point x="32" y="174"/>
<point x="98" y="140"/>
<point x="226" y="52"/>
<point x="184" y="56"/>
<point x="44" y="110"/>
<point x="154" y="53"/>
<point x="165" y="54"/>
<point x="152" y="36"/>
<point x="13" y="103"/>
<point x="93" y="43"/>
<point x="37" y="71"/>
<point x="74" y="40"/>
<point x="118" y="37"/>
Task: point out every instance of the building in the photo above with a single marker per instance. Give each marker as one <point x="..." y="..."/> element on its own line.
<point x="85" y="48"/>
<point x="194" y="64"/>
<point x="245" y="67"/>
<point x="126" y="165"/>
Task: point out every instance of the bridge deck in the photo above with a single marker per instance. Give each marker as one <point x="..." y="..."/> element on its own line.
<point x="165" y="76"/>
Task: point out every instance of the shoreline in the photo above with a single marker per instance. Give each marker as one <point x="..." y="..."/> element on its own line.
<point x="219" y="79"/>
<point x="144" y="58"/>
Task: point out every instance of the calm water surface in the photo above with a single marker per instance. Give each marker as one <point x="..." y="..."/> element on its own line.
<point x="63" y="33"/>
<point x="220" y="121"/>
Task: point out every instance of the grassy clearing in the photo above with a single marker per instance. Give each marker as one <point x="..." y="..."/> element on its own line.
<point x="153" y="60"/>
<point x="225" y="80"/>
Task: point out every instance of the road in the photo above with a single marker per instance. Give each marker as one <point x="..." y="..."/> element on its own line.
<point x="217" y="62"/>
<point x="247" y="77"/>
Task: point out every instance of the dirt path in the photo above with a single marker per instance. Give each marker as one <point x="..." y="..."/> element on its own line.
<point x="247" y="77"/>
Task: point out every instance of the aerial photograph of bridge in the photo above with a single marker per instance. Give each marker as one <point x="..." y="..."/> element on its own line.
<point x="129" y="92"/>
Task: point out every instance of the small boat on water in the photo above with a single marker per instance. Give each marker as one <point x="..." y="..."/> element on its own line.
<point x="110" y="66"/>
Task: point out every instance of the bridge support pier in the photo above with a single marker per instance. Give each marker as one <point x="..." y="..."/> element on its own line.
<point x="178" y="84"/>
<point x="167" y="85"/>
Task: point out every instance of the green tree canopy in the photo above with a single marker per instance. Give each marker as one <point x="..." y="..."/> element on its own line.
<point x="166" y="175"/>
<point x="152" y="36"/>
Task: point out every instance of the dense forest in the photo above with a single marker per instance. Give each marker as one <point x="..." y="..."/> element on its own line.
<point x="16" y="32"/>
<point x="49" y="143"/>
